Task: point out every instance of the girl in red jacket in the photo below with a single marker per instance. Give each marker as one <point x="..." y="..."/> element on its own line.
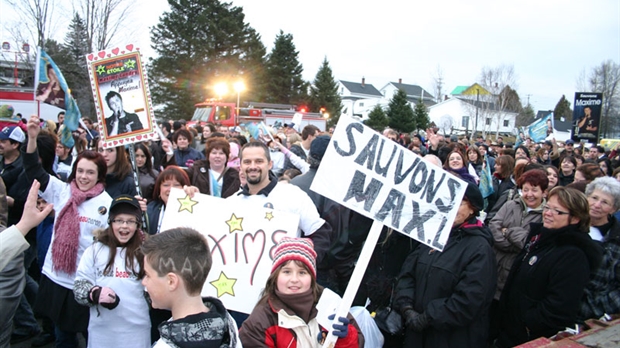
<point x="285" y="316"/>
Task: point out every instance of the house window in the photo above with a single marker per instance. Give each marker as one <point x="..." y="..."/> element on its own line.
<point x="361" y="104"/>
<point x="465" y="122"/>
<point x="506" y="123"/>
<point x="488" y="121"/>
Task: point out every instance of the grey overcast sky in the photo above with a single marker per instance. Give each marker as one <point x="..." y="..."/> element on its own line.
<point x="549" y="42"/>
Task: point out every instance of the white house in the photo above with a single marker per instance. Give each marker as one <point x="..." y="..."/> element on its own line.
<point x="414" y="92"/>
<point x="458" y="115"/>
<point x="358" y="99"/>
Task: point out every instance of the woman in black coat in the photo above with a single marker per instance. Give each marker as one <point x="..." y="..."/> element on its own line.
<point x="444" y="297"/>
<point x="546" y="283"/>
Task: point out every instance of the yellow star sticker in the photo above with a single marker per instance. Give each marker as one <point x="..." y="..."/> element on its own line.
<point x="269" y="215"/>
<point x="130" y="64"/>
<point x="224" y="285"/>
<point x="234" y="224"/>
<point x="187" y="204"/>
<point x="100" y="69"/>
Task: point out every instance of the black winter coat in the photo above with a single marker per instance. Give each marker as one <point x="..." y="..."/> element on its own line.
<point x="199" y="177"/>
<point x="454" y="288"/>
<point x="546" y="283"/>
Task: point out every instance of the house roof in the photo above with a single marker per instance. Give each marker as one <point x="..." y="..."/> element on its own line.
<point x="412" y="90"/>
<point x="358" y="88"/>
<point x="543" y="113"/>
<point x="426" y="102"/>
<point x="470" y="90"/>
<point x="479" y="103"/>
<point x="458" y="90"/>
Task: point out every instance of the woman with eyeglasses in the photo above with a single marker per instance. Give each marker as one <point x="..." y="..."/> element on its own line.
<point x="602" y="294"/>
<point x="546" y="283"/>
<point x="82" y="207"/>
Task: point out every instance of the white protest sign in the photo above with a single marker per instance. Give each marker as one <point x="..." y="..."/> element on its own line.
<point x="242" y="243"/>
<point x="380" y="179"/>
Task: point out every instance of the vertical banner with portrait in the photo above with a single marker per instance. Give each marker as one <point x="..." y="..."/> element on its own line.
<point x="51" y="88"/>
<point x="587" y="117"/>
<point x="122" y="97"/>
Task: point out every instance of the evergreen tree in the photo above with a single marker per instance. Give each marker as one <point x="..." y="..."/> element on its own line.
<point x="526" y="116"/>
<point x="75" y="69"/>
<point x="201" y="43"/>
<point x="400" y="114"/>
<point x="377" y="119"/>
<point x="421" y="115"/>
<point x="324" y="94"/>
<point x="562" y="109"/>
<point x="285" y="84"/>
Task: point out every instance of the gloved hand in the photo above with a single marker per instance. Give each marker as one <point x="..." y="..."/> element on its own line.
<point x="340" y="331"/>
<point x="415" y="321"/>
<point x="104" y="296"/>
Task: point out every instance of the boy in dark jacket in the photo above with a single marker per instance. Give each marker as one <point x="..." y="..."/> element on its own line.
<point x="177" y="263"/>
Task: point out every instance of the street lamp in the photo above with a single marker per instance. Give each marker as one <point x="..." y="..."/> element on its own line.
<point x="7" y="47"/>
<point x="239" y="87"/>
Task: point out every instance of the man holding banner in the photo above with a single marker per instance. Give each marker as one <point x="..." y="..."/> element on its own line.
<point x="444" y="297"/>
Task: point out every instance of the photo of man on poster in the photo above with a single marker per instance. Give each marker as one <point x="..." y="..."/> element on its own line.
<point x="587" y="122"/>
<point x="586" y="116"/>
<point x="120" y="121"/>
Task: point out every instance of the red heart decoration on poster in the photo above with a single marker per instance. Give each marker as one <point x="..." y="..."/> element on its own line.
<point x="121" y="141"/>
<point x="129" y="47"/>
<point x="95" y="58"/>
<point x="137" y="48"/>
<point x="101" y="54"/>
<point x="90" y="56"/>
<point x="122" y="52"/>
<point x="115" y="142"/>
<point x="133" y="139"/>
<point x="109" y="55"/>
<point x="139" y="137"/>
<point x="115" y="51"/>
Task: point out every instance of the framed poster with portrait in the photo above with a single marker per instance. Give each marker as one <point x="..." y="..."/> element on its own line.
<point x="122" y="97"/>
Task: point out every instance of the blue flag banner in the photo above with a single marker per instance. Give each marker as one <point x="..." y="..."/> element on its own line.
<point x="51" y="88"/>
<point x="538" y="131"/>
<point x="486" y="180"/>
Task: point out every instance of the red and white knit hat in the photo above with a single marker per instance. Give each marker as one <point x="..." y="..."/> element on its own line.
<point x="300" y="249"/>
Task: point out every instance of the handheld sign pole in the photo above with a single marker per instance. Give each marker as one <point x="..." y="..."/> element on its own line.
<point x="378" y="178"/>
<point x="356" y="279"/>
<point x="136" y="180"/>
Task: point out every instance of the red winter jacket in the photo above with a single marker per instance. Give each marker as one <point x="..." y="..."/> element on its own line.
<point x="272" y="324"/>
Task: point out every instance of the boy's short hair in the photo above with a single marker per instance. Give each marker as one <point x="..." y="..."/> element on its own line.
<point x="182" y="251"/>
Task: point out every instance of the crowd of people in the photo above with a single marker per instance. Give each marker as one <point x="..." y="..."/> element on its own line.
<point x="534" y="247"/>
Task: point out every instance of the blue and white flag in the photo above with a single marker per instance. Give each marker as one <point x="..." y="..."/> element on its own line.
<point x="51" y="88"/>
<point x="539" y="130"/>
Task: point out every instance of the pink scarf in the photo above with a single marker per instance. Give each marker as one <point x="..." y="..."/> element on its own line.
<point x="67" y="229"/>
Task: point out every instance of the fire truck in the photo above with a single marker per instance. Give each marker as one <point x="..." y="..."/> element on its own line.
<point x="277" y="115"/>
<point x="23" y="102"/>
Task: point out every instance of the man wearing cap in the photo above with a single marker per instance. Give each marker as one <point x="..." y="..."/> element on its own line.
<point x="263" y="190"/>
<point x="11" y="138"/>
<point x="308" y="134"/>
<point x="350" y="229"/>
<point x="569" y="148"/>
